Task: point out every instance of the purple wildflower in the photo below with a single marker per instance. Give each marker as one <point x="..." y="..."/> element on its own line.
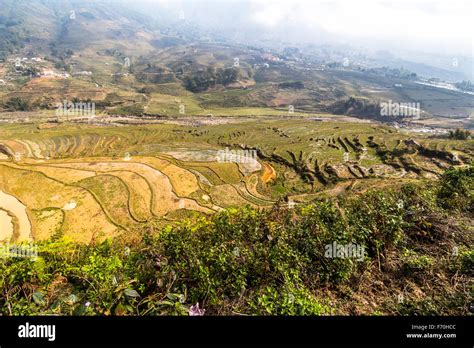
<point x="194" y="310"/>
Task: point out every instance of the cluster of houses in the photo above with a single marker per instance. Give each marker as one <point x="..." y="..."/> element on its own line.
<point x="50" y="73"/>
<point x="41" y="70"/>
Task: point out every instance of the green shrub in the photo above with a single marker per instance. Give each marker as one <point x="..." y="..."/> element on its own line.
<point x="412" y="261"/>
<point x="467" y="261"/>
<point x="377" y="218"/>
<point x="463" y="262"/>
<point x="257" y="262"/>
<point x="459" y="134"/>
<point x="456" y="190"/>
<point x="286" y="301"/>
<point x="323" y="224"/>
<point x="17" y="104"/>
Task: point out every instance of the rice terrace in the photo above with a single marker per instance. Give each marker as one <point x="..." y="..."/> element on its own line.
<point x="92" y="182"/>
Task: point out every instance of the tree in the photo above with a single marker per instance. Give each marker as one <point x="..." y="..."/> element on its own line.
<point x="17" y="104"/>
<point x="460" y="134"/>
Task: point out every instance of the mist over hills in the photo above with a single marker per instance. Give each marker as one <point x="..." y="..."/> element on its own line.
<point x="235" y="22"/>
<point x="137" y="57"/>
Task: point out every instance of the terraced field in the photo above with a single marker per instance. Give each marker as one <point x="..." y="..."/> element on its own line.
<point x="90" y="182"/>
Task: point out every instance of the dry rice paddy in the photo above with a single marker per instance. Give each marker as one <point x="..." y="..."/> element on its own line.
<point x="87" y="182"/>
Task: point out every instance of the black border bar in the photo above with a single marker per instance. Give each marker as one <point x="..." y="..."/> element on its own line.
<point x="223" y="331"/>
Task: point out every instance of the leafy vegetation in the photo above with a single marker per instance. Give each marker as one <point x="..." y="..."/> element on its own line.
<point x="16" y="104"/>
<point x="457" y="189"/>
<point x="267" y="262"/>
<point x="460" y="134"/>
<point x="202" y="80"/>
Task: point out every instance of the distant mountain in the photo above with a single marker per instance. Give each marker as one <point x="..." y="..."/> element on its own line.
<point x="129" y="61"/>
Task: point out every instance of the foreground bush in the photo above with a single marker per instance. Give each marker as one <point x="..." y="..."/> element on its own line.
<point x="279" y="261"/>
<point x="457" y="189"/>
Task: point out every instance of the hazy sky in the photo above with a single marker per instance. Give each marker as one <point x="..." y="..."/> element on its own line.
<point x="443" y="26"/>
<point x="446" y="25"/>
